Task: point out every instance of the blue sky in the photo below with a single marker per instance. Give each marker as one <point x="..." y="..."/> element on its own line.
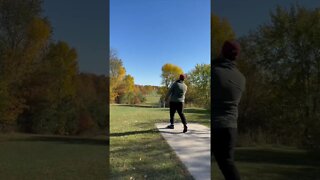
<point x="247" y="15"/>
<point x="149" y="33"/>
<point x="83" y="25"/>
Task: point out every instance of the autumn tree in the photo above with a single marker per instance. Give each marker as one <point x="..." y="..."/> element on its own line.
<point x="24" y="34"/>
<point x="122" y="87"/>
<point x="91" y="99"/>
<point x="116" y="73"/>
<point x="199" y="85"/>
<point x="41" y="90"/>
<point x="51" y="100"/>
<point x="283" y="76"/>
<point x="170" y="73"/>
<point x="221" y="31"/>
<point x="125" y="90"/>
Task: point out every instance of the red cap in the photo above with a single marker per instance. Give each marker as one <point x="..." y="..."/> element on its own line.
<point x="182" y="76"/>
<point x="231" y="49"/>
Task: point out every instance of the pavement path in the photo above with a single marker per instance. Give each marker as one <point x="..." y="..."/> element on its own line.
<point x="193" y="147"/>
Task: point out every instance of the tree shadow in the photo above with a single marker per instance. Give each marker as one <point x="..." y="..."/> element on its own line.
<point x="154" y="130"/>
<point x="152" y="172"/>
<point x="277" y="164"/>
<point x="169" y="131"/>
<point x="138" y="106"/>
<point x="281" y="157"/>
<point x="186" y="110"/>
<point x="64" y="139"/>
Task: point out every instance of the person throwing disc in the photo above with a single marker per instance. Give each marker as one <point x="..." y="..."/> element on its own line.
<point x="176" y="94"/>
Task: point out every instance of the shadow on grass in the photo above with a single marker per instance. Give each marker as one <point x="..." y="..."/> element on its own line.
<point x="159" y="173"/>
<point x="133" y="132"/>
<point x="138" y="105"/>
<point x="169" y="131"/>
<point x="275" y="164"/>
<point x="186" y="110"/>
<point x="199" y="114"/>
<point x="64" y="139"/>
<point x="281" y="157"/>
<point x="190" y="110"/>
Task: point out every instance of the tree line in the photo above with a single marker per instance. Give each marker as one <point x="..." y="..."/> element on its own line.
<point x="281" y="62"/>
<point x="41" y="88"/>
<point x="123" y="89"/>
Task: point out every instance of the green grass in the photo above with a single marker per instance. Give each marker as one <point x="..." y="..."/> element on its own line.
<point x="276" y="163"/>
<point x="25" y="156"/>
<point x="137" y="150"/>
<point x="152" y="100"/>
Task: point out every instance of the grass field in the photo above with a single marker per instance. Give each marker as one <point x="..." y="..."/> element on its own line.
<point x="25" y="156"/>
<point x="137" y="150"/>
<point x="275" y="163"/>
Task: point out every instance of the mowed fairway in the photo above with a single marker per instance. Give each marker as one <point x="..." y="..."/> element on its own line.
<point x="25" y="156"/>
<point x="137" y="150"/>
<point x="274" y="163"/>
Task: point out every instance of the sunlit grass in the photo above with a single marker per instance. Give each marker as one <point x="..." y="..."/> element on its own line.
<point x="137" y="150"/>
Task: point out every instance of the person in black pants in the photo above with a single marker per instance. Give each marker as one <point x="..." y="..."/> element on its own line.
<point x="228" y="84"/>
<point x="176" y="94"/>
<point x="223" y="143"/>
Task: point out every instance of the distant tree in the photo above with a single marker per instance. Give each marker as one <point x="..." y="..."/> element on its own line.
<point x="149" y="89"/>
<point x="91" y="101"/>
<point x="199" y="80"/>
<point x="24" y="35"/>
<point x="15" y="18"/>
<point x="122" y="87"/>
<point x="117" y="73"/>
<point x="284" y="76"/>
<point x="129" y="81"/>
<point x="41" y="90"/>
<point x="54" y="109"/>
<point x="125" y="90"/>
<point x="170" y="73"/>
<point x="221" y="31"/>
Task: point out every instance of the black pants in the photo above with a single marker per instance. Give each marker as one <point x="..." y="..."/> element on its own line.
<point x="223" y="144"/>
<point x="177" y="106"/>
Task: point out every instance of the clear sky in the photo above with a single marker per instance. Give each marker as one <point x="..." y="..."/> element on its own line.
<point x="149" y="33"/>
<point x="247" y="15"/>
<point x="83" y="25"/>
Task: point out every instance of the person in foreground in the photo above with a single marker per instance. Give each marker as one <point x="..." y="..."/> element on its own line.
<point x="228" y="83"/>
<point x="176" y="94"/>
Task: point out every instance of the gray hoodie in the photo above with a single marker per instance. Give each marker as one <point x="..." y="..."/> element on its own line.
<point x="177" y="91"/>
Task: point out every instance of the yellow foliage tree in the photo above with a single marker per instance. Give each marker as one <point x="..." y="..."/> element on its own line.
<point x="62" y="66"/>
<point x="221" y="31"/>
<point x="117" y="73"/>
<point x="38" y="34"/>
<point x="24" y="36"/>
<point x="129" y="81"/>
<point x="170" y="73"/>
